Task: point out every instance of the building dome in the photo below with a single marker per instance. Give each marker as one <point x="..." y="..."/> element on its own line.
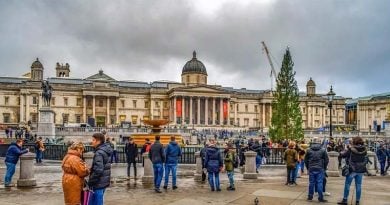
<point x="311" y="83"/>
<point x="36" y="64"/>
<point x="194" y="66"/>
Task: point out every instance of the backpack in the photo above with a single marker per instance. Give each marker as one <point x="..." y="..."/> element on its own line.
<point x="235" y="160"/>
<point x="147" y="148"/>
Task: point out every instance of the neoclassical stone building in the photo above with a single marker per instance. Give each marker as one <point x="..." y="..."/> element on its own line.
<point x="192" y="102"/>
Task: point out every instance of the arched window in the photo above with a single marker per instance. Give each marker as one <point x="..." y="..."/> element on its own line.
<point x="198" y="79"/>
<point x="188" y="79"/>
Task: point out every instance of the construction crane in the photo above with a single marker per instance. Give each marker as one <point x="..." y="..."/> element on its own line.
<point x="273" y="72"/>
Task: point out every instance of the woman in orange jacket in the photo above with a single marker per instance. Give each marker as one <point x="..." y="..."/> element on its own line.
<point x="74" y="170"/>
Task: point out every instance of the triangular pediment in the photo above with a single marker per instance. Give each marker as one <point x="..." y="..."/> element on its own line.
<point x="101" y="76"/>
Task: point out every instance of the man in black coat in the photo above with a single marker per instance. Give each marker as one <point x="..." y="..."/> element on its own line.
<point x="100" y="176"/>
<point x="131" y="151"/>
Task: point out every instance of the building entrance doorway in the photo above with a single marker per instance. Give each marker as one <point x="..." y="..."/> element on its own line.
<point x="100" y="121"/>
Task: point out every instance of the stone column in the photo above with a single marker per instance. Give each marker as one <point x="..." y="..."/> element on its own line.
<point x="88" y="157"/>
<point x="213" y="117"/>
<point x="174" y="110"/>
<point x="221" y="111"/>
<point x="206" y="108"/>
<point x="108" y="112"/>
<point x="26" y="178"/>
<point x="191" y="118"/>
<point x="198" y="171"/>
<point x="371" y="167"/>
<point x="94" y="108"/>
<point x="263" y="116"/>
<point x="333" y="166"/>
<point x="235" y="113"/>
<point x="228" y="112"/>
<point x="161" y="109"/>
<point x="21" y="115"/>
<point x="117" y="109"/>
<point x="85" y="109"/>
<point x="198" y="111"/>
<point x="183" y="111"/>
<point x="27" y="107"/>
<point x="151" y="109"/>
<point x="148" y="169"/>
<point x="250" y="165"/>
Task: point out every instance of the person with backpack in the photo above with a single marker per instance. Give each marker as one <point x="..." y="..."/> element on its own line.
<point x="172" y="153"/>
<point x="145" y="149"/>
<point x="230" y="163"/>
<point x="131" y="151"/>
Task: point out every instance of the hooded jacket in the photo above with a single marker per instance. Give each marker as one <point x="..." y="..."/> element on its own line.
<point x="101" y="167"/>
<point x="356" y="158"/>
<point x="213" y="159"/>
<point x="381" y="154"/>
<point x="74" y="171"/>
<point x="256" y="147"/>
<point x="13" y="153"/>
<point x="316" y="158"/>
<point x="156" y="153"/>
<point x="172" y="153"/>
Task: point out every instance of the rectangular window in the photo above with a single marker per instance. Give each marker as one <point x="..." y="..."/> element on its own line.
<point x="246" y="108"/>
<point x="122" y="118"/>
<point x="326" y="112"/>
<point x="246" y="122"/>
<point x="101" y="103"/>
<point x="89" y="103"/>
<point x="112" y="119"/>
<point x="53" y="101"/>
<point x="238" y="122"/>
<point x="6" y="118"/>
<point x="18" y="100"/>
<point x="6" y="99"/>
<point x="304" y="110"/>
<point x="231" y="106"/>
<point x="112" y="103"/>
<point x="65" y="101"/>
<point x="165" y="105"/>
<point x="256" y="109"/>
<point x="34" y="100"/>
<point x="134" y="104"/>
<point x="317" y="110"/>
<point x="79" y="102"/>
<point x="123" y="103"/>
<point x="146" y="104"/>
<point x="157" y="104"/>
<point x="65" y="118"/>
<point x="78" y="118"/>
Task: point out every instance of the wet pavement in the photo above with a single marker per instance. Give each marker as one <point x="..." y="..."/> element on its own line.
<point x="269" y="190"/>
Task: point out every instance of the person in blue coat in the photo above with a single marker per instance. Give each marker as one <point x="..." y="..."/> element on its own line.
<point x="381" y="154"/>
<point x="213" y="164"/>
<point x="11" y="159"/>
<point x="172" y="154"/>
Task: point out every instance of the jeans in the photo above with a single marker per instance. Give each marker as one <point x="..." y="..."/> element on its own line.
<point x="358" y="184"/>
<point x="230" y="175"/>
<point x="323" y="185"/>
<point x="158" y="174"/>
<point x="290" y="175"/>
<point x="316" y="180"/>
<point x="258" y="161"/>
<point x="135" y="169"/>
<point x="214" y="177"/>
<point x="39" y="156"/>
<point x="97" y="198"/>
<point x="170" y="168"/>
<point x="114" y="156"/>
<point x="9" y="173"/>
<point x="383" y="165"/>
<point x="296" y="170"/>
<point x="302" y="166"/>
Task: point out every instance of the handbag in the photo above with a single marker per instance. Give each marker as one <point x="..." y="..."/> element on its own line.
<point x="346" y="170"/>
<point x="86" y="193"/>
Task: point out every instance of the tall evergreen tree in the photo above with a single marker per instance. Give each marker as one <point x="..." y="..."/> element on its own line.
<point x="286" y="122"/>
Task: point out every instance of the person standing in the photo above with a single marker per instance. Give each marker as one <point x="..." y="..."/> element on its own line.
<point x="39" y="149"/>
<point x="256" y="147"/>
<point x="131" y="151"/>
<point x="356" y="159"/>
<point x="213" y="164"/>
<point x="100" y="176"/>
<point x="114" y="156"/>
<point x="145" y="149"/>
<point x="74" y="170"/>
<point x="230" y="157"/>
<point x="11" y="159"/>
<point x="381" y="154"/>
<point x="7" y="132"/>
<point x="291" y="158"/>
<point x="172" y="153"/>
<point x="157" y="156"/>
<point x="316" y="161"/>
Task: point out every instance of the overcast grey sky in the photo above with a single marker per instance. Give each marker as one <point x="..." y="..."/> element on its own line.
<point x="343" y="43"/>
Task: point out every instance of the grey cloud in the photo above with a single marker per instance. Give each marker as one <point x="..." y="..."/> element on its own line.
<point x="343" y="43"/>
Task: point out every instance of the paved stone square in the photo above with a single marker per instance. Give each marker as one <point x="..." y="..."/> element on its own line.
<point x="269" y="190"/>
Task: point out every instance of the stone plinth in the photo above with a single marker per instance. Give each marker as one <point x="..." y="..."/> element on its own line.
<point x="26" y="178"/>
<point x="198" y="171"/>
<point x="250" y="165"/>
<point x="148" y="169"/>
<point x="333" y="166"/>
<point x="371" y="167"/>
<point x="46" y="126"/>
<point x="88" y="157"/>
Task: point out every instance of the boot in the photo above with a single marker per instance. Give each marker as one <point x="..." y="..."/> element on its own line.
<point x="357" y="203"/>
<point x="343" y="202"/>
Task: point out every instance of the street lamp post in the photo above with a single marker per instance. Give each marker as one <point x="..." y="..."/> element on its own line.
<point x="330" y="95"/>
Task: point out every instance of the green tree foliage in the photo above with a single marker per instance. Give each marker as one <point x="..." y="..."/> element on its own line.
<point x="286" y="122"/>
